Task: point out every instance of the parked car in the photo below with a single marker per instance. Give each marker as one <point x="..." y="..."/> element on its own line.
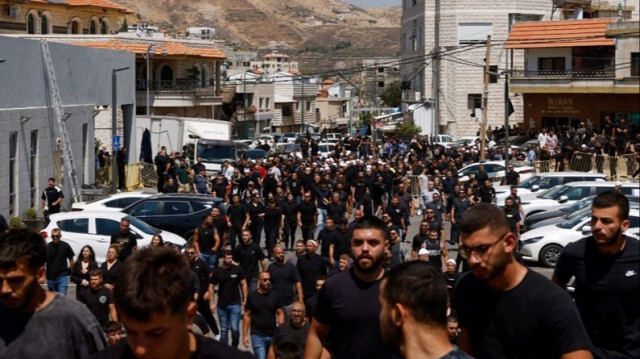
<point x="514" y="141"/>
<point x="114" y="202"/>
<point x="179" y="213"/>
<point x="253" y="154"/>
<point x="525" y="146"/>
<point x="325" y="149"/>
<point x="534" y="185"/>
<point x="96" y="227"/>
<point x="334" y="137"/>
<point x="495" y="170"/>
<point x="545" y="244"/>
<point x="290" y="149"/>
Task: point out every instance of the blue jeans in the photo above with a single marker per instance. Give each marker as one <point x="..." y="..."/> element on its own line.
<point x="322" y="214"/>
<point x="260" y="346"/>
<point x="211" y="260"/>
<point x="230" y="318"/>
<point x="59" y="285"/>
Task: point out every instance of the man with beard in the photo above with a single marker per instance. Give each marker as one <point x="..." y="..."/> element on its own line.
<point x="98" y="299"/>
<point x="294" y="330"/>
<point x="347" y="312"/>
<point x="310" y="266"/>
<point x="37" y="323"/>
<point x="262" y="313"/>
<point x="285" y="279"/>
<point x="413" y="298"/>
<point x="437" y="248"/>
<point x="248" y="254"/>
<point x="419" y="239"/>
<point x="204" y="297"/>
<point x="500" y="289"/>
<point x="289" y="221"/>
<point x="307" y="217"/>
<point x="238" y="216"/>
<point x="341" y="243"/>
<point x="126" y="240"/>
<point x="326" y="239"/>
<point x="297" y="253"/>
<point x="231" y="282"/>
<point x="206" y="241"/>
<point x="606" y="266"/>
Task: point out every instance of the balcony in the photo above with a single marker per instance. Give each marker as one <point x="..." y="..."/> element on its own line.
<point x="569" y="81"/>
<point x="569" y="74"/>
<point x="178" y="93"/>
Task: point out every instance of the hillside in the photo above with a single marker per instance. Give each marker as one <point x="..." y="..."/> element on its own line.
<point x="320" y="34"/>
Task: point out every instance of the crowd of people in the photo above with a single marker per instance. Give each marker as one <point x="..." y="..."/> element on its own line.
<point x="311" y="258"/>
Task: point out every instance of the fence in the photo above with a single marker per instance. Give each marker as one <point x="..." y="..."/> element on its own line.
<point x="136" y="176"/>
<point x="615" y="168"/>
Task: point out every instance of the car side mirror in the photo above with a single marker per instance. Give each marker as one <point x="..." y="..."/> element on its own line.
<point x="586" y="229"/>
<point x="563" y="199"/>
<point x="534" y="188"/>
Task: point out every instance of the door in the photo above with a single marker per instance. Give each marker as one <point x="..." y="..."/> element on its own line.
<point x="104" y="229"/>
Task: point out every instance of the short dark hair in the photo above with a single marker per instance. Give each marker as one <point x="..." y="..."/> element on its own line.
<point x="95" y="272"/>
<point x="370" y="222"/>
<point x="613" y="199"/>
<point x="288" y="350"/>
<point x="227" y="252"/>
<point x="153" y="280"/>
<point x="452" y="319"/>
<point x="421" y="287"/>
<point x="112" y="326"/>
<point x="52" y="179"/>
<point x="483" y="215"/>
<point x="22" y="244"/>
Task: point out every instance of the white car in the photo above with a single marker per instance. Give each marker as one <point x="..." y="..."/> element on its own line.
<point x="115" y="202"/>
<point x="325" y="148"/>
<point x="291" y="149"/>
<point x="96" y="227"/>
<point x="545" y="244"/>
<point x="536" y="184"/>
<point x="495" y="170"/>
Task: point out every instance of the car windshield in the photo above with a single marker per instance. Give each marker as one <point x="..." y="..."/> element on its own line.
<point x="578" y="205"/>
<point x="291" y="147"/>
<point x="578" y="213"/>
<point x="553" y="192"/>
<point x="575" y="220"/>
<point x="215" y="153"/>
<point x="147" y="229"/>
<point x="256" y="154"/>
<point x="529" y="182"/>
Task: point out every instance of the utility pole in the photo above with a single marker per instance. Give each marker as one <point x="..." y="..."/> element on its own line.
<point x="507" y="149"/>
<point x="485" y="101"/>
<point x="435" y="72"/>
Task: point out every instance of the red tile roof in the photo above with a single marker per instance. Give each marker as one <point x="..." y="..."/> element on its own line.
<point x="97" y="3"/>
<point x="553" y="34"/>
<point x="172" y="48"/>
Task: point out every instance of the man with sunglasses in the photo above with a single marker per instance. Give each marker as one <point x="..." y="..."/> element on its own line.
<point x="505" y="309"/>
<point x="263" y="308"/>
<point x="59" y="263"/>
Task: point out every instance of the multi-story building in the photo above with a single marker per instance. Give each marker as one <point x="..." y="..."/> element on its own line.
<point x="377" y="75"/>
<point x="61" y="17"/>
<point x="334" y="103"/>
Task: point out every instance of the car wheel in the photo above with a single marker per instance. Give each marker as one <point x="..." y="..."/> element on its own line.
<point x="549" y="255"/>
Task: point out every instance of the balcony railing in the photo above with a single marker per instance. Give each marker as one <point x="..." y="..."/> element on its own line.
<point x="579" y="74"/>
<point x="177" y="85"/>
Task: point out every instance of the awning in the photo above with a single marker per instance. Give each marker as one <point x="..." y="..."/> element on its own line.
<point x="555" y="34"/>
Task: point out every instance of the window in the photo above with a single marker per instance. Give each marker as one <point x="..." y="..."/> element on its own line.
<point x="31" y="25"/>
<point x="381" y="69"/>
<point x="380" y="84"/>
<point x="578" y="193"/>
<point x="266" y="102"/>
<point x="13" y="151"/>
<point x="174" y="208"/>
<point x="166" y="75"/>
<point x="635" y="64"/>
<point x="474" y="100"/>
<point x="493" y="76"/>
<point x="93" y="28"/>
<point x="260" y="101"/>
<point x="44" y="25"/>
<point x="551" y="64"/>
<point x="106" y="227"/>
<point x="76" y="225"/>
<point x="104" y="30"/>
<point x="199" y="206"/>
<point x="474" y="32"/>
<point x="33" y="155"/>
<point x="150" y="208"/>
<point x="308" y="106"/>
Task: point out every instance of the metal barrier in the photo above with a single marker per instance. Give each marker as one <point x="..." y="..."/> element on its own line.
<point x="614" y="167"/>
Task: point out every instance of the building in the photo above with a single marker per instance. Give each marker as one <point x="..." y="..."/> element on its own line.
<point x="377" y="75"/>
<point x="61" y="17"/>
<point x="30" y="140"/>
<point x="577" y="71"/>
<point x="334" y="103"/>
<point x="239" y="62"/>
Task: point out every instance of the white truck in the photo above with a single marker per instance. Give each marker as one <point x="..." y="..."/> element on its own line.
<point x="209" y="139"/>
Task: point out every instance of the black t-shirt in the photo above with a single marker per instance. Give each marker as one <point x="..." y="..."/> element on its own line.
<point x="255" y="209"/>
<point x="283" y="280"/>
<point x="50" y="195"/>
<point x="326" y="240"/>
<point x="98" y="303"/>
<point x="272" y="217"/>
<point x="511" y="178"/>
<point x="263" y="307"/>
<point x="396" y="214"/>
<point x="351" y="307"/>
<point x="336" y="211"/>
<point x="513" y="217"/>
<point x="126" y="242"/>
<point x="290" y="211"/>
<point x="607" y="295"/>
<point x="202" y="271"/>
<point x="206" y="238"/>
<point x="206" y="348"/>
<point x="109" y="275"/>
<point x="57" y="256"/>
<point x="310" y="268"/>
<point x="435" y="252"/>
<point x="228" y="281"/>
<point x="307" y="212"/>
<point x="342" y="244"/>
<point x="237" y="215"/>
<point x="459" y="207"/>
<point x="248" y="257"/>
<point x="288" y="333"/>
<point x="486" y="193"/>
<point x="418" y="240"/>
<point x="547" y="325"/>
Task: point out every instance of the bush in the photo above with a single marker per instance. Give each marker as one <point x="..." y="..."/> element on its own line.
<point x="31" y="214"/>
<point x="15" y="222"/>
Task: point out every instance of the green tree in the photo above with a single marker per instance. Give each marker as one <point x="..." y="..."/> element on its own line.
<point x="365" y="118"/>
<point x="407" y="127"/>
<point x="392" y="95"/>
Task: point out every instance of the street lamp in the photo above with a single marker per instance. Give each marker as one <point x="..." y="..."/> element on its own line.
<point x="146" y="57"/>
<point x="114" y="102"/>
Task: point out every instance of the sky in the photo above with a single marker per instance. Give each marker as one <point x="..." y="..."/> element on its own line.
<point x="374" y="3"/>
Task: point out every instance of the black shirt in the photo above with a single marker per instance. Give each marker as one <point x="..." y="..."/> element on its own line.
<point x="263" y="307"/>
<point x="547" y="325"/>
<point x="283" y="280"/>
<point x="396" y="214"/>
<point x="308" y="210"/>
<point x="57" y="256"/>
<point x="350" y="306"/>
<point x="513" y="217"/>
<point x="310" y="268"/>
<point x="255" y="209"/>
<point x="288" y="333"/>
<point x="248" y="256"/>
<point x="126" y="242"/>
<point x="109" y="275"/>
<point x="326" y="239"/>
<point x="50" y="195"/>
<point x="237" y="215"/>
<point x="228" y="281"/>
<point x="98" y="303"/>
<point x="290" y="211"/>
<point x="202" y="271"/>
<point x="272" y="218"/>
<point x="607" y="295"/>
<point x="206" y="348"/>
<point x="206" y="238"/>
<point x="336" y="211"/>
<point x="342" y="244"/>
<point x="511" y="178"/>
<point x="418" y="240"/>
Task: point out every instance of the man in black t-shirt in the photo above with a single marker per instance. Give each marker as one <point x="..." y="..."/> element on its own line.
<point x="512" y="177"/>
<point x="152" y="296"/>
<point x="517" y="201"/>
<point x="59" y="261"/>
<point x="98" y="299"/>
<point x="607" y="287"/>
<point x="513" y="216"/>
<point x="419" y="239"/>
<point x="126" y="240"/>
<point x="285" y="279"/>
<point x="310" y="266"/>
<point x="231" y="282"/>
<point x="262" y="313"/>
<point x="294" y="330"/>
<point x="307" y="217"/>
<point x="347" y="312"/>
<point x="204" y="297"/>
<point x="416" y="292"/>
<point x="248" y="255"/>
<point x="51" y="199"/>
<point x="238" y="216"/>
<point x="505" y="309"/>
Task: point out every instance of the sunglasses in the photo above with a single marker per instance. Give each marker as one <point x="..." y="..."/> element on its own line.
<point x="56" y="236"/>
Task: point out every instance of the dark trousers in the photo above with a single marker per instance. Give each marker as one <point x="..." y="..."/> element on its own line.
<point x="307" y="232"/>
<point x="205" y="311"/>
<point x="234" y="234"/>
<point x="289" y="237"/>
<point x="256" y="231"/>
<point x="271" y="234"/>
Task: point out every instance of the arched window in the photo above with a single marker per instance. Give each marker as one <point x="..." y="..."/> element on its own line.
<point x="93" y="27"/>
<point x="31" y="25"/>
<point x="44" y="25"/>
<point x="75" y="27"/>
<point x="204" y="77"/>
<point x="104" y="30"/>
<point x="166" y="76"/>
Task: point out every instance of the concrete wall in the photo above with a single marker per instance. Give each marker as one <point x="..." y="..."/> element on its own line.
<point x="624" y="48"/>
<point x="84" y="81"/>
<point x="531" y="57"/>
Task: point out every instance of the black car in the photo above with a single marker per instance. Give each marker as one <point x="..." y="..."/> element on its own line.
<point x="179" y="213"/>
